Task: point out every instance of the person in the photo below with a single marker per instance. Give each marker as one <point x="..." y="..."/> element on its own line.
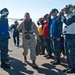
<point x="69" y="32"/>
<point x="40" y="31"/>
<point x="56" y="31"/>
<point x="49" y="22"/>
<point x="4" y="37"/>
<point x="62" y="47"/>
<point x="15" y="33"/>
<point x="29" y="29"/>
<point x="74" y="8"/>
<point x="46" y="36"/>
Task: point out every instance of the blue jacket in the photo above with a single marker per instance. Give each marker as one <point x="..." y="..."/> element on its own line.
<point x="56" y="28"/>
<point x="4" y="28"/>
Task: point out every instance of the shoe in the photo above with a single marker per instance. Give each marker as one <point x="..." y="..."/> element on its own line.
<point x="65" y="70"/>
<point x="71" y="70"/>
<point x="57" y="62"/>
<point x="34" y="66"/>
<point x="17" y="45"/>
<point x="46" y="55"/>
<point x="49" y="57"/>
<point x="42" y="53"/>
<point x="53" y="61"/>
<point x="5" y="65"/>
<point x="25" y="59"/>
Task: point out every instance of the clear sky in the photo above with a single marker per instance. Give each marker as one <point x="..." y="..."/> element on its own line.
<point x="36" y="8"/>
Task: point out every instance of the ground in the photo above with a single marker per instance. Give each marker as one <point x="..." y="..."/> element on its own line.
<point x="18" y="67"/>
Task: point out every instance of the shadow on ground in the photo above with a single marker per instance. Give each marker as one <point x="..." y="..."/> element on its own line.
<point x="18" y="68"/>
<point x="48" y="69"/>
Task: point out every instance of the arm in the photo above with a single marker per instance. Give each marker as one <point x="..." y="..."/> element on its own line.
<point x="12" y="26"/>
<point x="70" y="20"/>
<point x="19" y="28"/>
<point x="36" y="30"/>
<point x="59" y="25"/>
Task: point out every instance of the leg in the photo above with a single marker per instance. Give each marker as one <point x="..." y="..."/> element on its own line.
<point x="17" y="40"/>
<point x="49" y="49"/>
<point x="57" y="52"/>
<point x="25" y="47"/>
<point x="4" y="52"/>
<point x="14" y="39"/>
<point x="42" y="45"/>
<point x="45" y="44"/>
<point x="51" y="42"/>
<point x="71" y="53"/>
<point x="32" y="52"/>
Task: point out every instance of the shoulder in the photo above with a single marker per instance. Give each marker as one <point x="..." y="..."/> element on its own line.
<point x="22" y="23"/>
<point x="33" y="23"/>
<point x="5" y="20"/>
<point x="34" y="26"/>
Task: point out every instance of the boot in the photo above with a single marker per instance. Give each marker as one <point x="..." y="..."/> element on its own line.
<point x="34" y="64"/>
<point x="5" y="65"/>
<point x="42" y="53"/>
<point x="65" y="70"/>
<point x="72" y="70"/>
<point x="25" y="59"/>
<point x="49" y="57"/>
<point x="57" y="62"/>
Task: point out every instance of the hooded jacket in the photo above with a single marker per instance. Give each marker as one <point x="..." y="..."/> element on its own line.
<point x="4" y="28"/>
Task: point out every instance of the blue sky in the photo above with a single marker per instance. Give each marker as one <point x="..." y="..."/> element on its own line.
<point x="36" y="8"/>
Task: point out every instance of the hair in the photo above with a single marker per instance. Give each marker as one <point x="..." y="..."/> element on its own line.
<point x="54" y="11"/>
<point x="15" y="21"/>
<point x="68" y="7"/>
<point x="45" y="16"/>
<point x="27" y="14"/>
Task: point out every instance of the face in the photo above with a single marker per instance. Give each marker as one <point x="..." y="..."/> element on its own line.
<point x="54" y="14"/>
<point x="27" y="17"/>
<point x="16" y="23"/>
<point x="3" y="12"/>
<point x="69" y="11"/>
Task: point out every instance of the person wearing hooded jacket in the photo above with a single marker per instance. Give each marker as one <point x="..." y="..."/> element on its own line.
<point x="55" y="32"/>
<point x="4" y="36"/>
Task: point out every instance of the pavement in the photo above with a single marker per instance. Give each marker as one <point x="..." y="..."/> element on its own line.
<point x="19" y="67"/>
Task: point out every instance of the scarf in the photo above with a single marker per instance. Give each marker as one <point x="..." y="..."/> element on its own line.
<point x="28" y="25"/>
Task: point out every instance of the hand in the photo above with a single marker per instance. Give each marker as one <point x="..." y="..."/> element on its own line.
<point x="62" y="12"/>
<point x="50" y="14"/>
<point x="58" y="39"/>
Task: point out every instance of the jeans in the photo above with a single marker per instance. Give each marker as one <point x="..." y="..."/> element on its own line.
<point x="4" y="49"/>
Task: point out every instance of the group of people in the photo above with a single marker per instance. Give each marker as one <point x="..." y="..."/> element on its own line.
<point x="55" y="31"/>
<point x="28" y="30"/>
<point x="57" y="34"/>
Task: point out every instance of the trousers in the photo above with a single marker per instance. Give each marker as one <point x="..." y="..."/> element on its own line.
<point x="70" y="49"/>
<point x="56" y="48"/>
<point x="31" y="43"/>
<point x="4" y="49"/>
